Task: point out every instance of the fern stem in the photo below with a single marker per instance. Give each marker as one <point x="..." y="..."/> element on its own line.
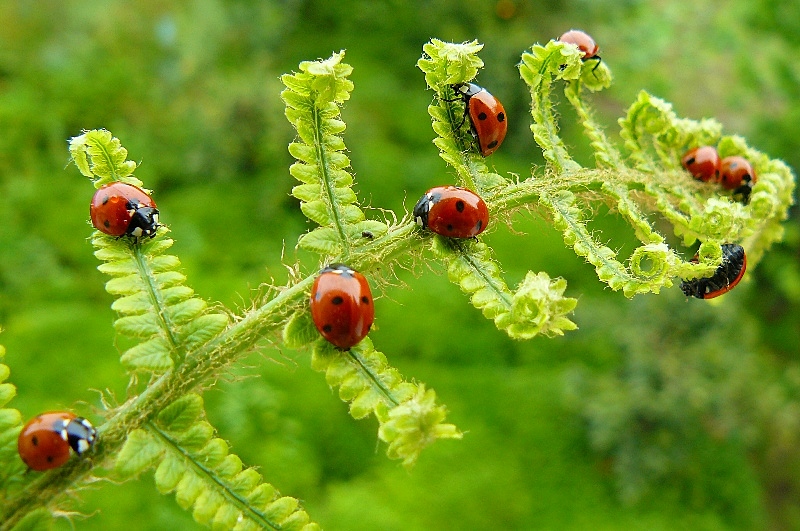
<point x="605" y="153"/>
<point x="501" y="292"/>
<point x="155" y="296"/>
<point x="327" y="180"/>
<point x="369" y="374"/>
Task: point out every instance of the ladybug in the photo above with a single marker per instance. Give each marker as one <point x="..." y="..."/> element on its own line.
<point x="724" y="279"/>
<point x="452" y="211"/>
<point x="120" y="209"/>
<point x="45" y="440"/>
<point x="487" y="116"/>
<point x="583" y="41"/>
<point x="703" y="163"/>
<point x="341" y="305"/>
<point x="736" y="173"/>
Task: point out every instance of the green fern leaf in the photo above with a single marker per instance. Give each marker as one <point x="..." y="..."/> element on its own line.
<point x="10" y="426"/>
<point x="655" y="138"/>
<point x="101" y="157"/>
<point x="412" y="425"/>
<point x="367" y="382"/>
<point x="204" y="476"/>
<point x="313" y="98"/>
<point x="154" y="305"/>
<point x="537" y="306"/>
<point x="446" y="64"/>
<point x="140" y="452"/>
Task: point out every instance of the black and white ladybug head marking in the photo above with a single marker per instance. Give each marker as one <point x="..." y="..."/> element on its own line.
<point x="422" y="208"/>
<point x="80" y="434"/>
<point x="144" y="222"/>
<point x="338" y="269"/>
<point x="467" y="90"/>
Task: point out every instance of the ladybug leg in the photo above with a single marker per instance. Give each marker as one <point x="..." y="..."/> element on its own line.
<point x="598" y="60"/>
<point x="466" y="107"/>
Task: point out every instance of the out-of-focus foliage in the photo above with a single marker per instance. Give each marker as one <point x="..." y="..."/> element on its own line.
<point x="671" y="404"/>
<point x="193" y="90"/>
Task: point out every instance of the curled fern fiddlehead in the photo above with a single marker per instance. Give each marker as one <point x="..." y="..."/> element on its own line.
<point x="646" y="179"/>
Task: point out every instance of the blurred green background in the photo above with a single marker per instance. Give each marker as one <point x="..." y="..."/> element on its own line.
<point x="658" y="413"/>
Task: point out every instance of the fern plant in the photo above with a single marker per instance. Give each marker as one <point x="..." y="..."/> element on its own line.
<point x="179" y="344"/>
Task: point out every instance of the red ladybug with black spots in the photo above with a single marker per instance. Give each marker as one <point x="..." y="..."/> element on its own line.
<point x="737" y="174"/>
<point x="452" y="211"/>
<point x="585" y="43"/>
<point x="487" y="116"/>
<point x="703" y="163"/>
<point x="45" y="441"/>
<point x="341" y="305"/>
<point x="122" y="209"/>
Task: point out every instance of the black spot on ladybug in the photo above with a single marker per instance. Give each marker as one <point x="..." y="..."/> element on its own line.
<point x="501" y="117"/>
<point x="337" y="300"/>
<point x="450" y="228"/>
<point x="482" y="116"/>
<point x="491" y="144"/>
<point x="365" y="299"/>
<point x="460" y="206"/>
<point x="49" y="458"/>
<point x="327" y="329"/>
<point x="35" y="440"/>
<point x="105" y="199"/>
<point x="690" y="161"/>
<point x="106" y="223"/>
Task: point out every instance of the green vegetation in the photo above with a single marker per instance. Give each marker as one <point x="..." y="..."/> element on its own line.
<point x="657" y="413"/>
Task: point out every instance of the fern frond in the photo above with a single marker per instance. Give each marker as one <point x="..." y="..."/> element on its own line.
<point x="10" y="426"/>
<point x="656" y="138"/>
<point x="313" y="100"/>
<point x="606" y="154"/>
<point x="409" y="418"/>
<point x="537" y="306"/>
<point x="567" y="217"/>
<point x="155" y="307"/>
<point x="100" y="156"/>
<point x="204" y="475"/>
<point x="539" y="68"/>
<point x="445" y="64"/>
<point x="412" y="425"/>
